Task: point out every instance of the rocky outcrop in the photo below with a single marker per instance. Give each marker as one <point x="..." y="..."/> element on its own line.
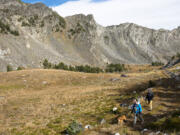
<point x="34" y="32"/>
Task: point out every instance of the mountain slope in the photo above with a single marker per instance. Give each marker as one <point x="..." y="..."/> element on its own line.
<point x="29" y="33"/>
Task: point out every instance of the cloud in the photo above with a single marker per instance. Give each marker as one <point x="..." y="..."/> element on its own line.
<point x="150" y="13"/>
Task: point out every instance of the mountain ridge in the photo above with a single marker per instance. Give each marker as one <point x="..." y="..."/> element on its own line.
<point x="36" y="32"/>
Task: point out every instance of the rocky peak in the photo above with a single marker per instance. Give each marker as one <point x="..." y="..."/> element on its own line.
<point x="11" y="2"/>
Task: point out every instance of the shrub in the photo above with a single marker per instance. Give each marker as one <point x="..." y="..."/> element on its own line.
<point x="115" y="68"/>
<point x="31" y="21"/>
<point x="78" y="29"/>
<point x="157" y="63"/>
<point x="42" y="24"/>
<point x="14" y="32"/>
<point x="61" y="65"/>
<point x="9" y="68"/>
<point x="24" y="24"/>
<point x="46" y="64"/>
<point x="20" y="68"/>
<point x="5" y="28"/>
<point x="20" y="19"/>
<point x="74" y="128"/>
<point x="62" y="21"/>
<point x="71" y="68"/>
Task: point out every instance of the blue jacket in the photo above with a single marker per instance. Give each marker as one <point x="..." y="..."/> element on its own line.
<point x="136" y="108"/>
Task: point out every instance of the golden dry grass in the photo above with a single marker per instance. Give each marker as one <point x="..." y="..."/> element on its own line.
<point x="41" y="101"/>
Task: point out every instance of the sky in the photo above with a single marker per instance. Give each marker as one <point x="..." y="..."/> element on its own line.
<point x="149" y="13"/>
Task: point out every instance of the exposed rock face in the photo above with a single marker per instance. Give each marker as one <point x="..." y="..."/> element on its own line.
<point x="76" y="39"/>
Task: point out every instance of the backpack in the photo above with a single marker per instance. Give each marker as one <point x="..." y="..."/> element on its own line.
<point x="137" y="108"/>
<point x="150" y="96"/>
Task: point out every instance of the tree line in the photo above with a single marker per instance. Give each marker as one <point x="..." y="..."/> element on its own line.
<point x="110" y="68"/>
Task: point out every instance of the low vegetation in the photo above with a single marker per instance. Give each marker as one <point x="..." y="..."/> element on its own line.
<point x="87" y="69"/>
<point x="5" y="28"/>
<point x="115" y="68"/>
<point x="171" y="123"/>
<point x="62" y="21"/>
<point x="78" y="29"/>
<point x="74" y="128"/>
<point x="88" y="99"/>
<point x="9" y="68"/>
<point x="157" y="63"/>
<point x="20" y="68"/>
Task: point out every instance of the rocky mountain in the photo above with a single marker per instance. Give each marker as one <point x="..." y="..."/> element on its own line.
<point x="29" y="33"/>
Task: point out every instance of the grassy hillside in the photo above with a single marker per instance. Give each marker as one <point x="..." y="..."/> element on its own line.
<point x="44" y="102"/>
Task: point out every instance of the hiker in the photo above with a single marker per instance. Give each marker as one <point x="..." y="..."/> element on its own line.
<point x="149" y="98"/>
<point x="137" y="110"/>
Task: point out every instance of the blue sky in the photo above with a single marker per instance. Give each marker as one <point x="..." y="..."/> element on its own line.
<point x="55" y="2"/>
<point x="154" y="14"/>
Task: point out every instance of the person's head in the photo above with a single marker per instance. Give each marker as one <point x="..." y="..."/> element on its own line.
<point x="135" y="101"/>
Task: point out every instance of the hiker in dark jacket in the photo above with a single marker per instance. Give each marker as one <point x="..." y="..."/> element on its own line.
<point x="149" y="97"/>
<point x="137" y="110"/>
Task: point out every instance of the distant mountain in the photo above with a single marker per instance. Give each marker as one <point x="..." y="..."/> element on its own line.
<point x="29" y="33"/>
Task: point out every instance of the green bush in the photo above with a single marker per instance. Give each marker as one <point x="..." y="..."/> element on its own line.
<point x="74" y="128"/>
<point x="20" y="68"/>
<point x="115" y="68"/>
<point x="46" y="64"/>
<point x="61" y="65"/>
<point x="78" y="29"/>
<point x="9" y="68"/>
<point x="157" y="63"/>
<point x="42" y="24"/>
<point x="14" y="32"/>
<point x="32" y="21"/>
<point x="86" y="69"/>
<point x="20" y="19"/>
<point x="24" y="24"/>
<point x="5" y="28"/>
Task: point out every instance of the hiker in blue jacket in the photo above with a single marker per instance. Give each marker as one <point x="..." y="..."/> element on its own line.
<point x="137" y="110"/>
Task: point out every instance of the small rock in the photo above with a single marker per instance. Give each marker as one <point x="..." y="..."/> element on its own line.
<point x="115" y="109"/>
<point x="103" y="121"/>
<point x="116" y="134"/>
<point x="177" y="67"/>
<point x="158" y="132"/>
<point x="88" y="127"/>
<point x="44" y="82"/>
<point x="123" y="75"/>
<point x="144" y="130"/>
<point x="114" y="79"/>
